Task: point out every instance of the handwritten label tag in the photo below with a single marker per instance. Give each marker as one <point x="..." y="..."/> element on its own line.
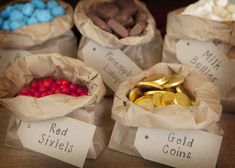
<point x="178" y="148"/>
<point x="208" y="59"/>
<point x="7" y="57"/>
<point x="64" y="138"/>
<point x="113" y="65"/>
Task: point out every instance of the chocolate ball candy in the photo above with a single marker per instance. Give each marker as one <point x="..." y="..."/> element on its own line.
<point x="51" y="4"/>
<point x="39" y="4"/>
<point x="28" y="9"/>
<point x="58" y="11"/>
<point x="16" y="15"/>
<point x="16" y="24"/>
<point x="43" y="15"/>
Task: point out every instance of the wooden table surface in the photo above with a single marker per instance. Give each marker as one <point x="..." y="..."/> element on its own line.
<point x="11" y="158"/>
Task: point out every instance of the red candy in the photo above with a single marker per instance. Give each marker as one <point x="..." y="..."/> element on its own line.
<point x="59" y="82"/>
<point x="73" y="87"/>
<point x="58" y="91"/>
<point x="43" y="89"/>
<point x="47" y="83"/>
<point x="49" y="86"/>
<point x="25" y="91"/>
<point x="65" y="83"/>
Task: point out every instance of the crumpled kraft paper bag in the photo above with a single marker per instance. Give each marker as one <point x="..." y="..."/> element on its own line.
<point x="85" y="108"/>
<point x="128" y="116"/>
<point x="65" y="45"/>
<point x="203" y="30"/>
<point x="36" y="34"/>
<point x="98" y="115"/>
<point x="206" y="112"/>
<point x="145" y="50"/>
<point x="123" y="138"/>
<point x="25" y="69"/>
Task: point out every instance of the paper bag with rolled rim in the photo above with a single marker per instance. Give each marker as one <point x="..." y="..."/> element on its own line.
<point x="36" y="34"/>
<point x="65" y="44"/>
<point x="98" y="115"/>
<point x="128" y="116"/>
<point x="186" y="27"/>
<point x="25" y="69"/>
<point x="145" y="50"/>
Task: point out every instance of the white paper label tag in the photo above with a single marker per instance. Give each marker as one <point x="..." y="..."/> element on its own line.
<point x="64" y="138"/>
<point x="7" y="57"/>
<point x="182" y="149"/>
<point x="112" y="64"/>
<point x="208" y="59"/>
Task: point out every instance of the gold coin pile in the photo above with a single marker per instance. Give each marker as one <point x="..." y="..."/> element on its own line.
<point x="160" y="90"/>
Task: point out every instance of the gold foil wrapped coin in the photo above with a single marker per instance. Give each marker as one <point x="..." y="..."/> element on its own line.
<point x="135" y="94"/>
<point x="180" y="88"/>
<point x="161" y="90"/>
<point x="149" y="85"/>
<point x="159" y="79"/>
<point x="174" y="80"/>
<point x="157" y="97"/>
<point x="151" y="93"/>
<point x="182" y="99"/>
<point x="167" y="98"/>
<point x="145" y="102"/>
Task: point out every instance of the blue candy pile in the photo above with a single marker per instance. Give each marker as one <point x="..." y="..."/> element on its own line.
<point x="37" y="11"/>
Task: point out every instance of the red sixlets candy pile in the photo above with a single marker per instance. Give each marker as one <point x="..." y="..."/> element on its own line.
<point x="49" y="86"/>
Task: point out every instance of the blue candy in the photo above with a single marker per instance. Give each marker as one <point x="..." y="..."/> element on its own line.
<point x="16" y="24"/>
<point x="28" y="9"/>
<point x="25" y="19"/>
<point x="18" y="6"/>
<point x="51" y="4"/>
<point x="35" y="13"/>
<point x="39" y="4"/>
<point x="6" y="25"/>
<point x="32" y="20"/>
<point x="44" y="15"/>
<point x="5" y="14"/>
<point x="1" y="22"/>
<point x="58" y="11"/>
<point x="16" y="15"/>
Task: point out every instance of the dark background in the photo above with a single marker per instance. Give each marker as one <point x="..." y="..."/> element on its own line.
<point x="158" y="8"/>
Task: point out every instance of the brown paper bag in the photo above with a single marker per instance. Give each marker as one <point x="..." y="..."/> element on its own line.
<point x="25" y="69"/>
<point x="145" y="50"/>
<point x="64" y="45"/>
<point x="128" y="116"/>
<point x="186" y="27"/>
<point x="98" y="115"/>
<point x="36" y="34"/>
